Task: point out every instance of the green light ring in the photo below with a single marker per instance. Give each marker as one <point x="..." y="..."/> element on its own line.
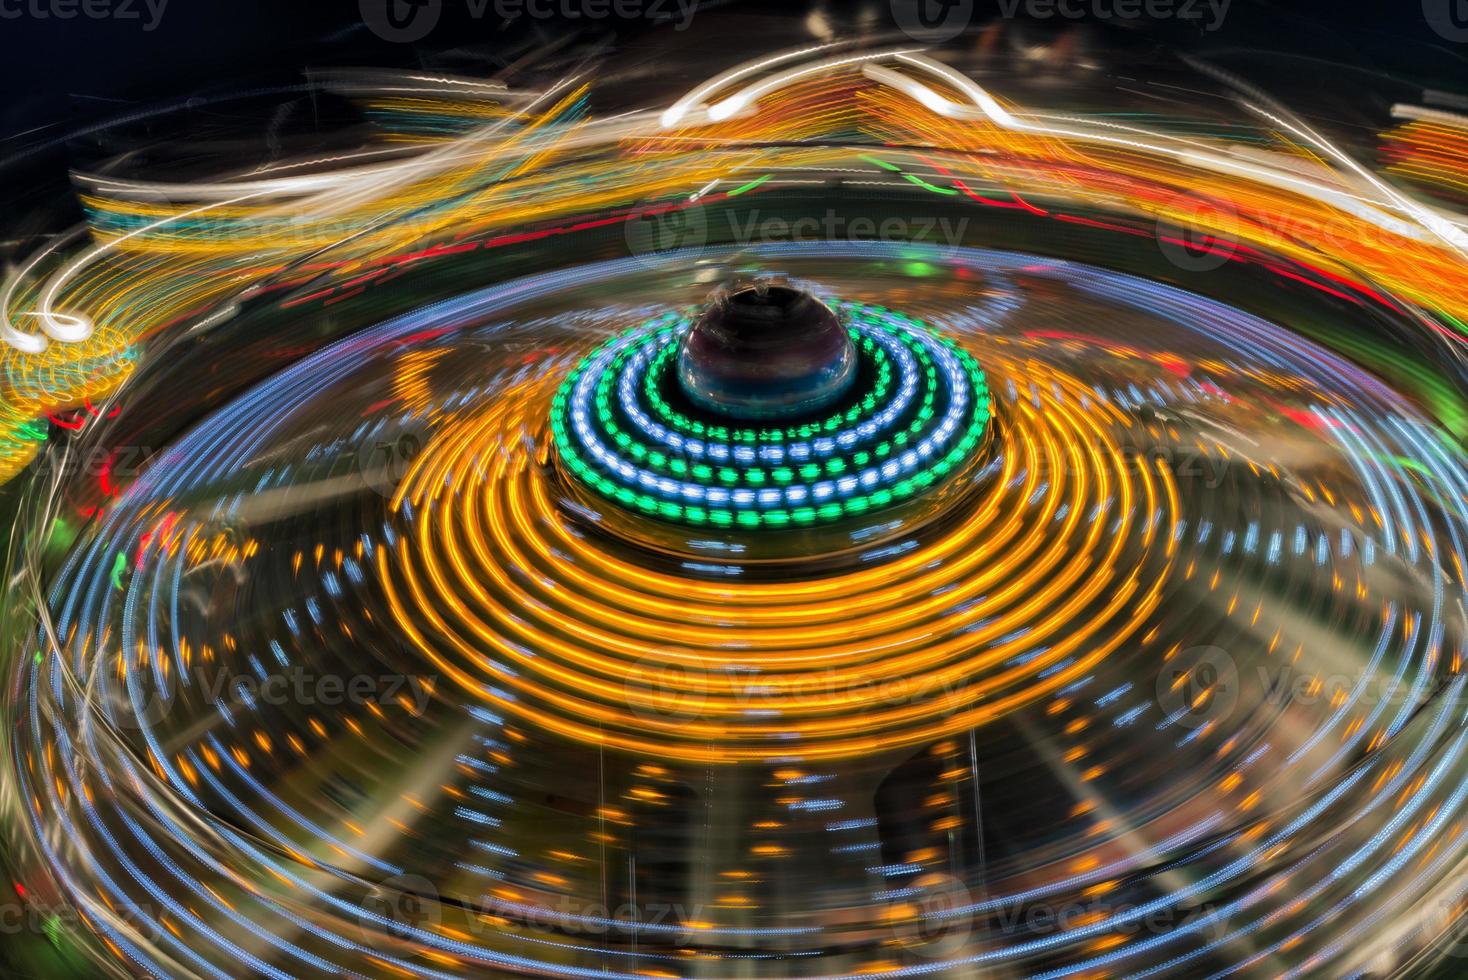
<point x="779" y="516"/>
<point x="685" y="425"/>
<point x="753" y="476"/>
<point x="978" y="415"/>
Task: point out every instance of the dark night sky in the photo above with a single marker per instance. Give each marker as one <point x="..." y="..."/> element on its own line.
<point x="62" y="73"/>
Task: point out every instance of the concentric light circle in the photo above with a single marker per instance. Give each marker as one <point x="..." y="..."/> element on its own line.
<point x="1036" y="584"/>
<point x="620" y="434"/>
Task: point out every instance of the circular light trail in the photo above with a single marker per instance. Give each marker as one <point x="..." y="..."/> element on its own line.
<point x="639" y="451"/>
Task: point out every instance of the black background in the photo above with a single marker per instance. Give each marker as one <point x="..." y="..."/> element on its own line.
<point x="57" y="75"/>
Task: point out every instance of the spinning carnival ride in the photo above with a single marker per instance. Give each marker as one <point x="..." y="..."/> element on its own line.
<point x="506" y="550"/>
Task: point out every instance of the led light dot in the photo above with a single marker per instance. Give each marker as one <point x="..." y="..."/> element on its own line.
<point x="923" y="414"/>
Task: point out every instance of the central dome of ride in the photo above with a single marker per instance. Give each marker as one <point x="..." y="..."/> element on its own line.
<point x="764" y="351"/>
<point x="770" y="407"/>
